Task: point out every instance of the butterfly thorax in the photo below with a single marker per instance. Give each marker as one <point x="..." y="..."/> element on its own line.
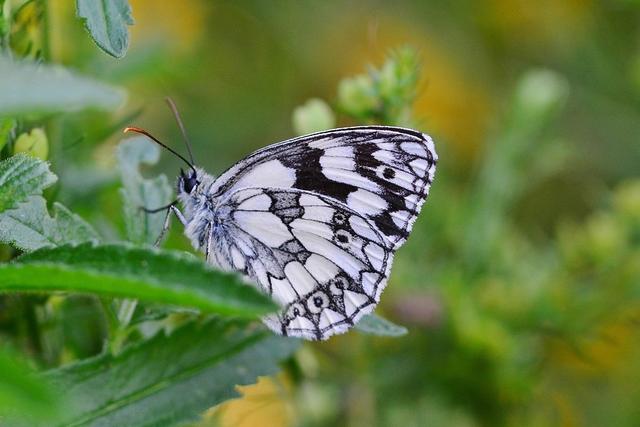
<point x="202" y="210"/>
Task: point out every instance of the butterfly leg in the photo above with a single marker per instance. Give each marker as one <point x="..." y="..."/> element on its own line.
<point x="171" y="209"/>
<point x="209" y="246"/>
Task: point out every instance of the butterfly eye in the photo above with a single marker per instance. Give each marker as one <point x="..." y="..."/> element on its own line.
<point x="188" y="182"/>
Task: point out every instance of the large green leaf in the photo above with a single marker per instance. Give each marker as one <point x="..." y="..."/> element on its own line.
<point x="106" y="21"/>
<point x="138" y="192"/>
<point x="27" y="87"/>
<point x="29" y="226"/>
<point x="23" y="396"/>
<point x="170" y="380"/>
<point x="22" y="176"/>
<point x="122" y="270"/>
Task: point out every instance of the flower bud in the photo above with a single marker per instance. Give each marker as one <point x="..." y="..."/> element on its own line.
<point x="34" y="144"/>
<point x="315" y="115"/>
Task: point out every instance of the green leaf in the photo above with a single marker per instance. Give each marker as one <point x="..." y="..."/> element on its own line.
<point x="7" y="125"/>
<point x="22" y="394"/>
<point x="27" y="87"/>
<point x="140" y="192"/>
<point x="122" y="270"/>
<point x="29" y="226"/>
<point x="106" y="21"/>
<point x="22" y="176"/>
<point x="376" y="325"/>
<point x="170" y="380"/>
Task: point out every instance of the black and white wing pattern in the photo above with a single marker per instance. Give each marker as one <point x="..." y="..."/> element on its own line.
<point x="315" y="221"/>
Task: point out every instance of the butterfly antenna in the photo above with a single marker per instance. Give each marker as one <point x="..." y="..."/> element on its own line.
<point x="174" y="109"/>
<point x="147" y="134"/>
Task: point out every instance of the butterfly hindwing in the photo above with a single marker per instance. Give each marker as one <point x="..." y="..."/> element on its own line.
<point x="323" y="262"/>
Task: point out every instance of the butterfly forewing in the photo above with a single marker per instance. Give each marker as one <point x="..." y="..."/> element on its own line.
<point x="383" y="173"/>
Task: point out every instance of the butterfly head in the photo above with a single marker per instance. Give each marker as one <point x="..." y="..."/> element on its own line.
<point x="188" y="181"/>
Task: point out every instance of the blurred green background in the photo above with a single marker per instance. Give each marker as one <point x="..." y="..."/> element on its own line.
<point x="519" y="285"/>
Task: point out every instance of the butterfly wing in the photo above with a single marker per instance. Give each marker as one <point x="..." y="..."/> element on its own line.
<point x="315" y="221"/>
<point x="323" y="262"/>
<point x="383" y="173"/>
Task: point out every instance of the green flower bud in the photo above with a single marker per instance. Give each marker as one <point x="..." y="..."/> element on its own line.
<point x="315" y="115"/>
<point x="398" y="77"/>
<point x="34" y="144"/>
<point x="357" y="96"/>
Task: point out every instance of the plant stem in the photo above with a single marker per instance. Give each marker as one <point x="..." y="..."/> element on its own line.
<point x="5" y="27"/>
<point x="125" y="312"/>
<point x="45" y="41"/>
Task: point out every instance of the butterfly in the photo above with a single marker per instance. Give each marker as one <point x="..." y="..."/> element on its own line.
<point x="314" y="221"/>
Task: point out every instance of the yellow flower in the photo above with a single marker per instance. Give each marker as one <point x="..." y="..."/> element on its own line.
<point x="266" y="403"/>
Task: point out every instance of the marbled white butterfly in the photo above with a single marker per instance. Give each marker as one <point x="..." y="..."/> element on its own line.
<point x="313" y="221"/>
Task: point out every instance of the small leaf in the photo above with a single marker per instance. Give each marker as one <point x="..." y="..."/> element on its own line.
<point x="23" y="396"/>
<point x="29" y="226"/>
<point x="27" y="87"/>
<point x="22" y="176"/>
<point x="169" y="380"/>
<point x="121" y="270"/>
<point x="138" y="192"/>
<point x="376" y="325"/>
<point x="106" y="21"/>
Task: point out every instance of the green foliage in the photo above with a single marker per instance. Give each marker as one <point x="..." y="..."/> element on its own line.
<point x="508" y="169"/>
<point x="376" y="325"/>
<point x="139" y="192"/>
<point x="509" y="304"/>
<point x="23" y="393"/>
<point x="518" y="284"/>
<point x="7" y="124"/>
<point x="168" y="380"/>
<point x="5" y="22"/>
<point x="29" y="226"/>
<point x="383" y="95"/>
<point x="22" y="176"/>
<point x="63" y="255"/>
<point x="107" y="21"/>
<point x="118" y="270"/>
<point x="28" y="87"/>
